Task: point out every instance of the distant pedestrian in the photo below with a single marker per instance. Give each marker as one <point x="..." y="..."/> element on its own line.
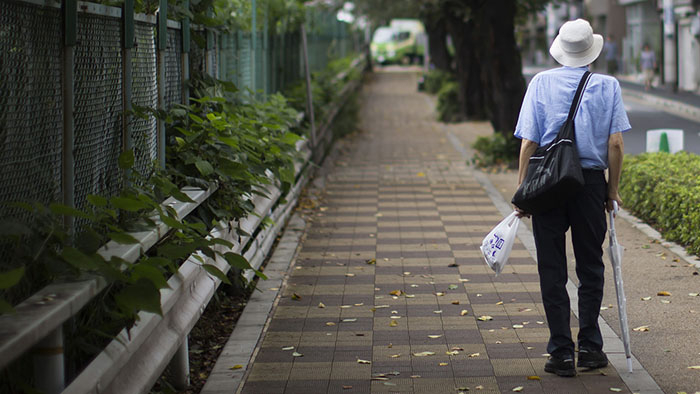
<point x="647" y="62"/>
<point x="599" y="123"/>
<point x="610" y="49"/>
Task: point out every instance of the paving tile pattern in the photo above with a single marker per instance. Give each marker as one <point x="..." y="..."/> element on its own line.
<point x="402" y="198"/>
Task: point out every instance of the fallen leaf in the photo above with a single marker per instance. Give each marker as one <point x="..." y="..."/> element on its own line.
<point x="393" y="323"/>
<point x="389" y="384"/>
<point x="274" y="288"/>
<point x="410" y="296"/>
<point x="360" y="304"/>
<point x="390" y="345"/>
<point x="443" y="364"/>
<point x="296" y="296"/>
<point x="464" y="312"/>
<point x="439" y="294"/>
<point x="330" y="323"/>
<point x="297" y="354"/>
<point x="615" y="389"/>
<point x="286" y="348"/>
<point x="361" y="361"/>
<point x="381" y="306"/>
<point x="394" y="317"/>
<point x="663" y="294"/>
<point x="435" y="336"/>
<point x="455" y="302"/>
<point x="452" y="287"/>
<point x="452" y="353"/>
<point x="345" y="306"/>
<point x="349" y="320"/>
<point x="694" y="367"/>
<point x="539" y="322"/>
<point x="499" y="303"/>
<point x="407" y="273"/>
<point x="453" y="265"/>
<point x="396" y="292"/>
<point x="321" y="305"/>
<point x="237" y="366"/>
<point x="350" y="275"/>
<point x="464" y="280"/>
<point x="415" y="376"/>
<point x="646" y="298"/>
<point x="645" y="246"/>
<point x="371" y="261"/>
<point x="395" y="355"/>
<point x="438" y="312"/>
<point x="693" y="294"/>
<point x="479" y="387"/>
<point x="347" y="387"/>
<point x="457" y="348"/>
<point x="525" y="310"/>
<point x="665" y="301"/>
<point x="603" y="308"/>
<point x="641" y="328"/>
<point x="420" y="174"/>
<point x="414" y="285"/>
<point x="380" y="378"/>
<point x="478" y="294"/>
<point x="518" y="389"/>
<point x="484" y="318"/>
<point x="518" y="326"/>
<point x="474" y="355"/>
<point x="423" y="354"/>
<point x="533" y="377"/>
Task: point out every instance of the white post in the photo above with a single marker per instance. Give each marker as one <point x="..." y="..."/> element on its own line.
<point x="180" y="367"/>
<point x="49" y="373"/>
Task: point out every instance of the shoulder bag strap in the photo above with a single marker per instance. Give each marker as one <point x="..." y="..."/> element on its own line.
<point x="579" y="92"/>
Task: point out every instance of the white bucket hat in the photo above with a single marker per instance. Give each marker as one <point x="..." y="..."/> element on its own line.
<point x="576" y="45"/>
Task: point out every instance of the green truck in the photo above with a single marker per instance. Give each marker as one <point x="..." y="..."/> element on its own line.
<point x="402" y="42"/>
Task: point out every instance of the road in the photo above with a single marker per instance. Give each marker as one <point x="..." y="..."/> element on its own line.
<point x="644" y="117"/>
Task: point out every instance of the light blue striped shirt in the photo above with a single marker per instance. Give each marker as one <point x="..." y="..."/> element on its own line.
<point x="546" y="105"/>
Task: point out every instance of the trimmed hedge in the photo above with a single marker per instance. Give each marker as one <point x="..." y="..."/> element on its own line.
<point x="664" y="190"/>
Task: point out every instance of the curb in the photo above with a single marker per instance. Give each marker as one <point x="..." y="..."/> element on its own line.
<point x="242" y="343"/>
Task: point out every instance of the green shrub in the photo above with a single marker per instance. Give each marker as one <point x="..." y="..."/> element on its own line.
<point x="664" y="190"/>
<point x="448" y="103"/>
<point x="434" y="80"/>
<point x="495" y="150"/>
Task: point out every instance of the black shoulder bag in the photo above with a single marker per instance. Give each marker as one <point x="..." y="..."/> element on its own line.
<point x="554" y="170"/>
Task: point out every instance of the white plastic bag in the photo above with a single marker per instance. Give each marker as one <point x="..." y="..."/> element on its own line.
<point x="498" y="243"/>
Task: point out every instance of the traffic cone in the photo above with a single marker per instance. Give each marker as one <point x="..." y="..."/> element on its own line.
<point x="663" y="143"/>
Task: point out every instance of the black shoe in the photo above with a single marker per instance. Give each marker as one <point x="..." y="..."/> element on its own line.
<point x="588" y="358"/>
<point x="560" y="366"/>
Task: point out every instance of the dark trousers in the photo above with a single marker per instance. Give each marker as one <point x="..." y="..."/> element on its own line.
<point x="585" y="214"/>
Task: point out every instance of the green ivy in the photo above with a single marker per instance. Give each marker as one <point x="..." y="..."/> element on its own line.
<point x="664" y="190"/>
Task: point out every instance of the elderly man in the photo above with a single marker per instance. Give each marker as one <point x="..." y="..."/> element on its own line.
<point x="599" y="123"/>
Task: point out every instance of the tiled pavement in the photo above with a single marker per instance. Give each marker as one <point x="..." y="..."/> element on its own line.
<point x="389" y="267"/>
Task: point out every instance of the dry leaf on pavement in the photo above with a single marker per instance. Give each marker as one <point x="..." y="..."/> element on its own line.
<point x="641" y="328"/>
<point x="423" y="354"/>
<point x="663" y="294"/>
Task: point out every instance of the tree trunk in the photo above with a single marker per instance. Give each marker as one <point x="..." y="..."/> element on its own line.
<point x="468" y="67"/>
<point x="437" y="42"/>
<point x="501" y="72"/>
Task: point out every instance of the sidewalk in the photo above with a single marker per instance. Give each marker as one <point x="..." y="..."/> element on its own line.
<point x="377" y="297"/>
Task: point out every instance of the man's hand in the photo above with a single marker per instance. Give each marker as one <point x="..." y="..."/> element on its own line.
<point x="609" y="204"/>
<point x="520" y="213"/>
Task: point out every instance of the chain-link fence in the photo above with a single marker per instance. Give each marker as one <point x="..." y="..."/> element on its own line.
<point x="33" y="108"/>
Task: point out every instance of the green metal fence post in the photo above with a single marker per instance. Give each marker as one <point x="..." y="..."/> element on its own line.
<point x="162" y="36"/>
<point x="186" y="55"/>
<point x="266" y="53"/>
<point x="253" y="45"/>
<point x="127" y="76"/>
